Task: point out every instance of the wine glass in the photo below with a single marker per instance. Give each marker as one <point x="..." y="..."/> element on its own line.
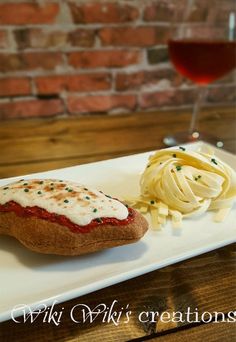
<point x="202" y="52"/>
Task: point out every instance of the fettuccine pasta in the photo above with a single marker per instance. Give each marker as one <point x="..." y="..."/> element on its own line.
<point x="181" y="183"/>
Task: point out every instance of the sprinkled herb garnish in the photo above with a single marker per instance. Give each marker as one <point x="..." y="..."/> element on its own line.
<point x="70" y="190"/>
<point x="99" y="220"/>
<point x="6" y="187"/>
<point x="51" y="183"/>
<point x="67" y="189"/>
<point x="108" y="196"/>
<point x="196" y="179"/>
<point x="26" y="190"/>
<point x="85" y="189"/>
<point x="178" y="167"/>
<point x="95" y="210"/>
<point x="214" y="161"/>
<point x="25" y="184"/>
<point x="41" y="182"/>
<point x="148" y="166"/>
<point x="39" y="192"/>
<point x="66" y="201"/>
<point x="174" y="155"/>
<point x="160" y="163"/>
<point x="51" y="188"/>
<point x="126" y="205"/>
<point x="152" y="202"/>
<point x="60" y="180"/>
<point x="87" y="197"/>
<point x="199" y="176"/>
<point x="182" y="148"/>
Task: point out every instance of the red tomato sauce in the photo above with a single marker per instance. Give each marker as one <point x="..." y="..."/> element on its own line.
<point x="63" y="220"/>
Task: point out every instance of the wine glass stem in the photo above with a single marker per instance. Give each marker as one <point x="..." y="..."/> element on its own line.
<point x="202" y="92"/>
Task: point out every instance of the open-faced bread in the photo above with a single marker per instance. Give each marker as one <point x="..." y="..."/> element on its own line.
<point x="60" y="217"/>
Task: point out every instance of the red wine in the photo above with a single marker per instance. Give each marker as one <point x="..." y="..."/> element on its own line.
<point x="203" y="61"/>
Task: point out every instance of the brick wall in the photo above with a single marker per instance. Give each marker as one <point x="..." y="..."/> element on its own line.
<point x="77" y="57"/>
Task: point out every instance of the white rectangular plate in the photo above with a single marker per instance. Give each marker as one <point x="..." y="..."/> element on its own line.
<point x="31" y="278"/>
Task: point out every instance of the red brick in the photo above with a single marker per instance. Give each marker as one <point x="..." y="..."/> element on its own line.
<point x="82" y="37"/>
<point x="133" y="36"/>
<point x="37" y="38"/>
<point x="105" y="12"/>
<point x="175" y="97"/>
<point x="96" y="104"/>
<point x="158" y="55"/>
<point x="226" y="94"/>
<point x="162" y="10"/>
<point x="31" y="108"/>
<point x="85" y="82"/>
<point x="14" y="86"/>
<point x="3" y="39"/>
<point x="28" y="13"/>
<point x="136" y="80"/>
<point x="29" y="61"/>
<point x="94" y="59"/>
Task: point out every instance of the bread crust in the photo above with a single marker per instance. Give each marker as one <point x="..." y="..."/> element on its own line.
<point x="47" y="237"/>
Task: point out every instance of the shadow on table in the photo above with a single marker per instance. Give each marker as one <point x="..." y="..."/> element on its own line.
<point x="18" y="253"/>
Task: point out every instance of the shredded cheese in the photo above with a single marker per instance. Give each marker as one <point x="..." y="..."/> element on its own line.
<point x="180" y="183"/>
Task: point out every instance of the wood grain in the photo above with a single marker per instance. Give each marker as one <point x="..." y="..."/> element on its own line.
<point x="38" y="145"/>
<point x="213" y="332"/>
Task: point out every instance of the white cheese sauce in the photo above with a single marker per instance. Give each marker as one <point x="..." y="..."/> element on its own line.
<point x="75" y="201"/>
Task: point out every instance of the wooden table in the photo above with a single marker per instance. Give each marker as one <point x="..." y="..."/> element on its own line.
<point x="207" y="282"/>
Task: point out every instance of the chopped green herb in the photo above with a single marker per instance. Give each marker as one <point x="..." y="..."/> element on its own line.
<point x="70" y="190"/>
<point x="99" y="220"/>
<point x="41" y="182"/>
<point x="26" y="190"/>
<point x="126" y="205"/>
<point x="108" y="196"/>
<point x="51" y="183"/>
<point x="178" y="167"/>
<point x="95" y="210"/>
<point x="160" y="163"/>
<point x="60" y="180"/>
<point x="6" y="187"/>
<point x="85" y="189"/>
<point x="87" y="197"/>
<point x="196" y="179"/>
<point x="182" y="148"/>
<point x="148" y="166"/>
<point x="152" y="202"/>
<point x="67" y="189"/>
<point x="51" y="188"/>
<point x="174" y="155"/>
<point x="25" y="184"/>
<point x="66" y="201"/>
<point x="214" y="161"/>
<point x="39" y="192"/>
<point x="199" y="176"/>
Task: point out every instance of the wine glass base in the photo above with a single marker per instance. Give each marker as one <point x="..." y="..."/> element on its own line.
<point x="185" y="137"/>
